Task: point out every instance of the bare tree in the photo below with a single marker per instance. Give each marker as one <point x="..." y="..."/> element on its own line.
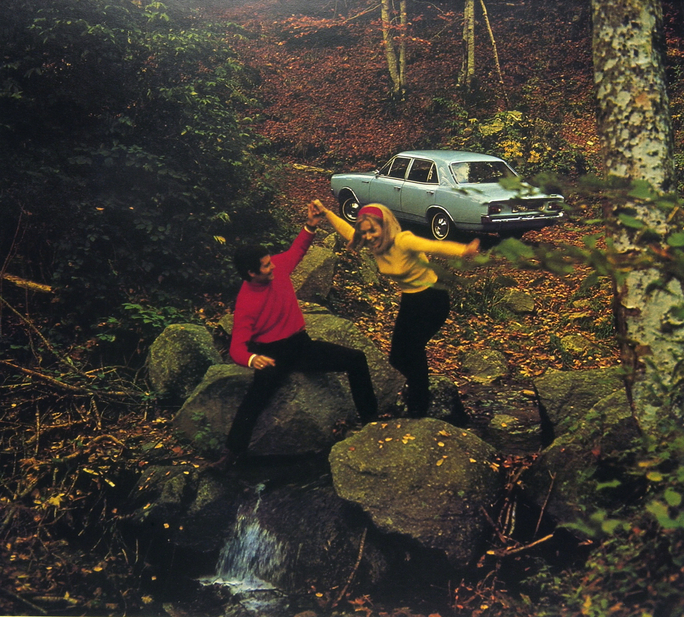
<point x="394" y="39"/>
<point x="637" y="143"/>
<point x="467" y="73"/>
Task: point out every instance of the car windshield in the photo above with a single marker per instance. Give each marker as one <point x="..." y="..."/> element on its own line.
<point x="480" y="172"/>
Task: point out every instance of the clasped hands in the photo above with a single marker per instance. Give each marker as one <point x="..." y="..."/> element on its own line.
<point x="316" y="212"/>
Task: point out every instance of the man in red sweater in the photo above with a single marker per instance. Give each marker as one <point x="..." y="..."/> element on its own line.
<point x="269" y="336"/>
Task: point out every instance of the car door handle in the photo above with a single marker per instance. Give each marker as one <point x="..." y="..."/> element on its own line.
<point x="430" y="192"/>
<point x="397" y="188"/>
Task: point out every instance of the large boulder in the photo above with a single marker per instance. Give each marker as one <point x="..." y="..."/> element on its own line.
<point x="387" y="381"/>
<point x="565" y="397"/>
<point x="282" y="524"/>
<point x="299" y="419"/>
<point x="320" y="541"/>
<point x="313" y="277"/>
<point x="565" y="478"/>
<point x="485" y="366"/>
<point x="179" y="357"/>
<point x="517" y="433"/>
<point x="305" y="410"/>
<point x="422" y="478"/>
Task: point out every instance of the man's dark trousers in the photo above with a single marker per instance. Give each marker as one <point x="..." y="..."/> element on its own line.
<point x="299" y="353"/>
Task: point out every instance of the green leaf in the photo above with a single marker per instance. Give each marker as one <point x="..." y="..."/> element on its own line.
<point x="611" y="484"/>
<point x="642" y="190"/>
<point x="676" y="240"/>
<point x="672" y="497"/>
<point x="630" y="221"/>
<point x="662" y="515"/>
<point x="514" y="250"/>
<point x="609" y="525"/>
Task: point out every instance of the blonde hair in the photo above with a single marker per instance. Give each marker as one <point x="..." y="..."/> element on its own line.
<point x="388" y="224"/>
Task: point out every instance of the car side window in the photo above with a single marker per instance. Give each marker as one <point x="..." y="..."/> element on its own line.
<point x="396" y="168"/>
<point x="423" y="171"/>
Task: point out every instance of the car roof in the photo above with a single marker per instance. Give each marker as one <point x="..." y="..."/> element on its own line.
<point x="449" y="156"/>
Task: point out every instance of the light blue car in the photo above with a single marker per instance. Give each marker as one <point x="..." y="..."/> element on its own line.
<point x="450" y="190"/>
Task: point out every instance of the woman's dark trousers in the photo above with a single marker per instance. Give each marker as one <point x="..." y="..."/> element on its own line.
<point x="420" y="316"/>
<point x="300" y="353"/>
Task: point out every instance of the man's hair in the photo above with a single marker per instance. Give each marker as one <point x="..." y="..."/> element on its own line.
<point x="248" y="259"/>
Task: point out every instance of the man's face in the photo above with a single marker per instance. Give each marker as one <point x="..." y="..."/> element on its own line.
<point x="265" y="274"/>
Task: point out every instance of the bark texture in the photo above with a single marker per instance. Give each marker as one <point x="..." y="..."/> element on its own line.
<point x="396" y="58"/>
<point x="467" y="73"/>
<point x="633" y="108"/>
<point x="637" y="142"/>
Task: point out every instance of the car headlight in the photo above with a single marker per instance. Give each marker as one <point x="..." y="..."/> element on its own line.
<point x="494" y="209"/>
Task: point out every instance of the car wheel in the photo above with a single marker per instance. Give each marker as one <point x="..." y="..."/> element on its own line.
<point x="349" y="209"/>
<point x="441" y="226"/>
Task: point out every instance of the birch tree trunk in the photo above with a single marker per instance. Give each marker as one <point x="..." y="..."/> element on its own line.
<point x="403" y="22"/>
<point x="467" y="73"/>
<point x="497" y="64"/>
<point x="636" y="136"/>
<point x="396" y="61"/>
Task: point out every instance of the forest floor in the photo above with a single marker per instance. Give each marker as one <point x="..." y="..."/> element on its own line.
<point x="322" y="81"/>
<point x="325" y="108"/>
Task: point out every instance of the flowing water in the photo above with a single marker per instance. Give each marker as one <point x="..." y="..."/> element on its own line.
<point x="252" y="562"/>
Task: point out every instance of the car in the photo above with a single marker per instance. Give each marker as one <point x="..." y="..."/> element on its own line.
<point x="450" y="190"/>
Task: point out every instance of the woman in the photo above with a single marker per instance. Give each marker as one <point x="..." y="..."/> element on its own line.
<point x="423" y="308"/>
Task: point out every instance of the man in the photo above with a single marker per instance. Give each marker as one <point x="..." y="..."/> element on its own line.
<point x="269" y="336"/>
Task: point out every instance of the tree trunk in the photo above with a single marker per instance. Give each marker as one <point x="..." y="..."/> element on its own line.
<point x="396" y="62"/>
<point x="403" y="20"/>
<point x="637" y="143"/>
<point x="467" y="74"/>
<point x="495" y="52"/>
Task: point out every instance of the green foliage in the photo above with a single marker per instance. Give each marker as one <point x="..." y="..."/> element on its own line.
<point x="137" y="325"/>
<point x="610" y="261"/>
<point x="637" y="565"/>
<point x="480" y="296"/>
<point x="205" y="440"/>
<point x="533" y="146"/>
<point x="129" y="163"/>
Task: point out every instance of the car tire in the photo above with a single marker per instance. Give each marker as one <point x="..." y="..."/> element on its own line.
<point x="441" y="226"/>
<point x="349" y="209"/>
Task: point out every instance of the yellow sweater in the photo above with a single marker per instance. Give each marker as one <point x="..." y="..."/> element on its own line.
<point x="406" y="261"/>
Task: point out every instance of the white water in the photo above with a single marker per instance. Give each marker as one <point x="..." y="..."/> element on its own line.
<point x="252" y="562"/>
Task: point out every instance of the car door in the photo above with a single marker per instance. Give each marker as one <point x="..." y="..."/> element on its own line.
<point x="418" y="192"/>
<point x="386" y="187"/>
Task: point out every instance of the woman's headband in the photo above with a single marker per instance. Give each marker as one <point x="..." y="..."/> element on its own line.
<point x="373" y="211"/>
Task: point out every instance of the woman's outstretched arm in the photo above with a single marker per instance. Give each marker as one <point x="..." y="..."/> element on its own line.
<point x="439" y="247"/>
<point x="339" y="225"/>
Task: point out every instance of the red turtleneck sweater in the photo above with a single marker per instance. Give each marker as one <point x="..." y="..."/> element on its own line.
<point x="268" y="313"/>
